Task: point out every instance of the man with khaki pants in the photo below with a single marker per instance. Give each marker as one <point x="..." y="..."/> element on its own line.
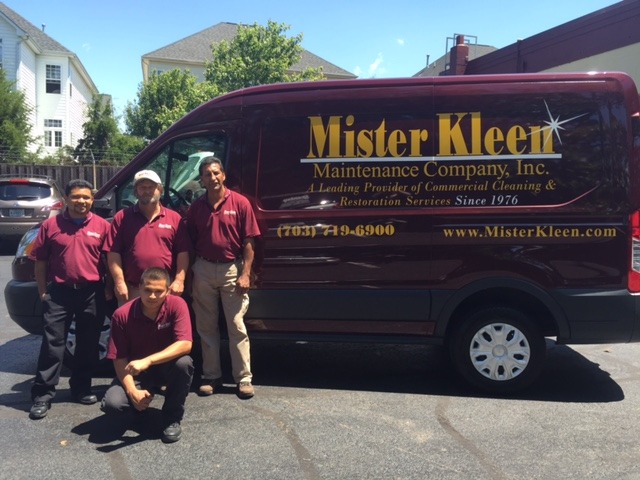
<point x="222" y="227"/>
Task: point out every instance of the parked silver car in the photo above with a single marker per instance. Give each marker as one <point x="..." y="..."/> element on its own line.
<point x="27" y="201"/>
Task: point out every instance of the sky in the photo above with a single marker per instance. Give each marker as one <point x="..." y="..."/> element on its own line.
<point x="369" y="38"/>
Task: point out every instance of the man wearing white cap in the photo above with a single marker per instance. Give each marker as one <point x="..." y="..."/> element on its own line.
<point x="146" y="235"/>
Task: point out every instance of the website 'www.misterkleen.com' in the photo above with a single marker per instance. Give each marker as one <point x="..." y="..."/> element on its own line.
<point x="537" y="231"/>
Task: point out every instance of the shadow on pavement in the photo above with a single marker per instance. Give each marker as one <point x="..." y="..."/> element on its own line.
<point x="104" y="430"/>
<point x="416" y="369"/>
<point x="9" y="245"/>
<point x="20" y="355"/>
<point x="567" y="376"/>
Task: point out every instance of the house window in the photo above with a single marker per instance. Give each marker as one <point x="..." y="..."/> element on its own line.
<point x="54" y="79"/>
<point x="52" y="133"/>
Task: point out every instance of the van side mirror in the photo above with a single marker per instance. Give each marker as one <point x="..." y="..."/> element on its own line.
<point x="102" y="207"/>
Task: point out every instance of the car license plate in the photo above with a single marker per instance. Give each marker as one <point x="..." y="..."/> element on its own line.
<point x="16" y="212"/>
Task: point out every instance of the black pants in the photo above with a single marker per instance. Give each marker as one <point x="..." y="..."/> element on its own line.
<point x="85" y="307"/>
<point x="176" y="375"/>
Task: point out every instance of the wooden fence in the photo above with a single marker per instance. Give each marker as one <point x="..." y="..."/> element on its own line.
<point x="96" y="175"/>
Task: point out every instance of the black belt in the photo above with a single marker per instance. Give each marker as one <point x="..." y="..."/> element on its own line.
<point x="77" y="286"/>
<point x="210" y="260"/>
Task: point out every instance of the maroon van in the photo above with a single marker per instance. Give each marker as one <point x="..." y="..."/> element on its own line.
<point x="485" y="213"/>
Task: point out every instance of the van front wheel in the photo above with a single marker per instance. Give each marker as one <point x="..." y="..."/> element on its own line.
<point x="498" y="349"/>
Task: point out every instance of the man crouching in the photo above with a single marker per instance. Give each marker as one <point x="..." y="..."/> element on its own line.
<point x="150" y="344"/>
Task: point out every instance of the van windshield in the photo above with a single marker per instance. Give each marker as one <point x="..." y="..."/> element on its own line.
<point x="177" y="164"/>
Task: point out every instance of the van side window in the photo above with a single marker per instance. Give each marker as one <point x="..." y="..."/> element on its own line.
<point x="177" y="164"/>
<point x="343" y="160"/>
<point x="280" y="184"/>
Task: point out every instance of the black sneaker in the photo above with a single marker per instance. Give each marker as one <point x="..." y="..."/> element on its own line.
<point x="86" y="398"/>
<point x="39" y="410"/>
<point x="172" y="433"/>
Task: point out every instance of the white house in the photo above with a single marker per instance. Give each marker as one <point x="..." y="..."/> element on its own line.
<point x="192" y="53"/>
<point x="55" y="83"/>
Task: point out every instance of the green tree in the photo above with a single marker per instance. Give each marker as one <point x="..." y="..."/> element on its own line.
<point x="123" y="148"/>
<point x="257" y="56"/>
<point x="165" y="98"/>
<point x="15" y="127"/>
<point x="100" y="129"/>
<point x="61" y="156"/>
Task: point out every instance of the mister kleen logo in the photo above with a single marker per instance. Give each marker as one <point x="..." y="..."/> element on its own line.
<point x="461" y="136"/>
<point x="467" y="159"/>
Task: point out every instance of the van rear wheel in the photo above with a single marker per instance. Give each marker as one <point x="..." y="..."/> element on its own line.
<point x="498" y="349"/>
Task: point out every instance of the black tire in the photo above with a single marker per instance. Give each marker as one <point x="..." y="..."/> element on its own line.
<point x="498" y="349"/>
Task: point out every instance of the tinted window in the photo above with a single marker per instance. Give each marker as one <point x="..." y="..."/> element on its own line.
<point x="342" y="161"/>
<point x="177" y="164"/>
<point x="23" y="191"/>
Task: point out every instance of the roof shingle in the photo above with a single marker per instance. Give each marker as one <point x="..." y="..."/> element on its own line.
<point x="196" y="49"/>
<point x="37" y="36"/>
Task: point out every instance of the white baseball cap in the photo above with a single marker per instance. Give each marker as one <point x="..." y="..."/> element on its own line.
<point x="147" y="175"/>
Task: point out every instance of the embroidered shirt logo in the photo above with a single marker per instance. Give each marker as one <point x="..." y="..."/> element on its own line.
<point x="162" y="326"/>
<point x="230" y="212"/>
<point x="165" y="225"/>
<point x="93" y="234"/>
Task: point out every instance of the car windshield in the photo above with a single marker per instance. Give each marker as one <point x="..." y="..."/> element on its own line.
<point x="177" y="165"/>
<point x="23" y="191"/>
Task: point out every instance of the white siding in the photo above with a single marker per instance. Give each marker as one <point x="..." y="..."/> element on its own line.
<point x="196" y="70"/>
<point x="9" y="39"/>
<point x="79" y="99"/>
<point x="27" y="84"/>
<point x="52" y="106"/>
<point x="18" y="61"/>
<point x="28" y="69"/>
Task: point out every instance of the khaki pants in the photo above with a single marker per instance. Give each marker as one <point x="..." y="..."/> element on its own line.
<point x="211" y="282"/>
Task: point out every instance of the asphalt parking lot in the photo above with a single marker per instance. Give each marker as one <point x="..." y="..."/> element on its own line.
<point x="327" y="411"/>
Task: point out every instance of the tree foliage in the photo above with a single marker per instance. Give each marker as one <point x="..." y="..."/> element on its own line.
<point x="103" y="142"/>
<point x="123" y="148"/>
<point x="257" y="56"/>
<point x="165" y="98"/>
<point x="15" y="126"/>
<point x="100" y="129"/>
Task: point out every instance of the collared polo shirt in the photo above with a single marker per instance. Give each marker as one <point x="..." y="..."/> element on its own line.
<point x="143" y="244"/>
<point x="135" y="336"/>
<point x="219" y="234"/>
<point x="73" y="250"/>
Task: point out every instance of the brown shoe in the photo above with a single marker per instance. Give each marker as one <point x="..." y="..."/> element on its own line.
<point x="245" y="390"/>
<point x="209" y="387"/>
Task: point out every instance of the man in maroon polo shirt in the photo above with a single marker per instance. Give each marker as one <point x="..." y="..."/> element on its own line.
<point x="145" y="235"/>
<point x="222" y="227"/>
<point x="69" y="272"/>
<point x="149" y="345"/>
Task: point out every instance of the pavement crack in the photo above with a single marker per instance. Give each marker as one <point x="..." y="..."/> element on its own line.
<point x="118" y="466"/>
<point x="441" y="414"/>
<point x="303" y="455"/>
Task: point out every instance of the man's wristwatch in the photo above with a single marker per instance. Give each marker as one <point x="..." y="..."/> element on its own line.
<point x="45" y="296"/>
